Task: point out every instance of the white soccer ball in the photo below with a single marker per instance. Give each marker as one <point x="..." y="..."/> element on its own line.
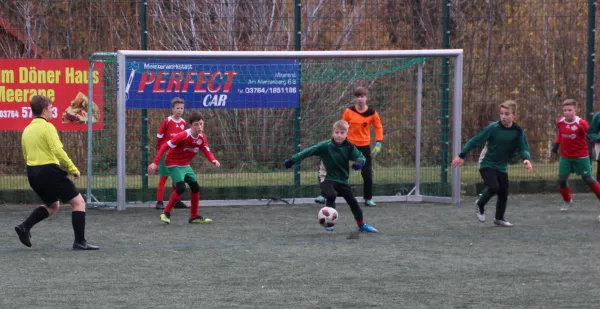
<point x="327" y="216"/>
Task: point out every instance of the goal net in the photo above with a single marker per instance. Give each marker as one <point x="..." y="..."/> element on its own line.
<point x="262" y="107"/>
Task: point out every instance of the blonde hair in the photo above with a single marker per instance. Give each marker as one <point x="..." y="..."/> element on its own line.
<point x="341" y="125"/>
<point x="570" y="102"/>
<point x="509" y="104"/>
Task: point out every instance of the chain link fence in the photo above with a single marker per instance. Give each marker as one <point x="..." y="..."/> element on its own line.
<point x="533" y="51"/>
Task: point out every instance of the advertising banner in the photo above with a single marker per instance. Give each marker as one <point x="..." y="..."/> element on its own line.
<point x="65" y="82"/>
<point x="213" y="83"/>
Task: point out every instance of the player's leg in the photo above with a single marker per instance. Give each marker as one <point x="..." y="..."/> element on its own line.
<point x="78" y="222"/>
<point x="321" y="173"/>
<point x="490" y="182"/>
<point x="583" y="167"/>
<point x="502" y="194"/>
<point x="345" y="191"/>
<point x="41" y="181"/>
<point x="565" y="169"/>
<point x="597" y="153"/>
<point x="328" y="192"/>
<point x="367" y="176"/>
<point x="190" y="179"/>
<point x="177" y="176"/>
<point x="163" y="172"/>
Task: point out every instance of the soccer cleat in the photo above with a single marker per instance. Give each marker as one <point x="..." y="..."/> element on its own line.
<point x="24" y="235"/>
<point x="370" y="203"/>
<point x="200" y="219"/>
<point x="480" y="215"/>
<point x="566" y="205"/>
<point x="77" y="246"/>
<point x="320" y="199"/>
<point x="160" y="205"/>
<point x="367" y="229"/>
<point x="330" y="229"/>
<point x="165" y="218"/>
<point x="502" y="223"/>
<point x="180" y="205"/>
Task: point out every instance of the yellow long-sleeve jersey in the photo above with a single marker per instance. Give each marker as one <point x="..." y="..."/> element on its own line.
<point x="41" y="146"/>
<point x="360" y="125"/>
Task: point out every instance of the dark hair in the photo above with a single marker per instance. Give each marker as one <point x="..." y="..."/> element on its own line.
<point x="360" y="91"/>
<point x="176" y="100"/>
<point x="195" y="116"/>
<point x="38" y="104"/>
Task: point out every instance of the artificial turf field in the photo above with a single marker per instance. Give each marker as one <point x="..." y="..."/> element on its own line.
<point x="425" y="256"/>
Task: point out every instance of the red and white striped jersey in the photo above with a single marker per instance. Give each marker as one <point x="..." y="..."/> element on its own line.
<point x="169" y="128"/>
<point x="183" y="148"/>
<point x="571" y="137"/>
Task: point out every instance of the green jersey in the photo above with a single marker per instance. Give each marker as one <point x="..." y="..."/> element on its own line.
<point x="335" y="158"/>
<point x="594" y="130"/>
<point x="500" y="145"/>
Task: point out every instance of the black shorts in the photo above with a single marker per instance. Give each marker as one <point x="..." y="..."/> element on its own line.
<point x="51" y="183"/>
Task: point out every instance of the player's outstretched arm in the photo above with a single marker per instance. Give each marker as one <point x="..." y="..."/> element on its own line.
<point x="314" y="150"/>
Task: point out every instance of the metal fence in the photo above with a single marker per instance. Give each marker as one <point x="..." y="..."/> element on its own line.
<point x="538" y="52"/>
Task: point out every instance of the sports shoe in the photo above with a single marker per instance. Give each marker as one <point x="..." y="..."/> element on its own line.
<point x="24" y="235"/>
<point x="166" y="218"/>
<point x="502" y="223"/>
<point x="199" y="219"/>
<point x="330" y="229"/>
<point x="566" y="205"/>
<point x="367" y="229"/>
<point x="84" y="246"/>
<point x="370" y="203"/>
<point x="320" y="199"/>
<point x="180" y="205"/>
<point x="480" y="215"/>
<point x="77" y="246"/>
<point x="160" y="205"/>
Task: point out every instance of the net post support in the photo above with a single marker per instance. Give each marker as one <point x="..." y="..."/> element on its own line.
<point x="90" y="141"/>
<point x="121" y="132"/>
<point x="457" y="125"/>
<point x="418" y="117"/>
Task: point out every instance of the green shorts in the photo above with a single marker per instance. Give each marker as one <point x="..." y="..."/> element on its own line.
<point x="579" y="166"/>
<point x="162" y="169"/>
<point x="182" y="173"/>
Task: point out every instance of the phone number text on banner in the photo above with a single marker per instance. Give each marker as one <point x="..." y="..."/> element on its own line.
<point x="213" y="83"/>
<point x="65" y="82"/>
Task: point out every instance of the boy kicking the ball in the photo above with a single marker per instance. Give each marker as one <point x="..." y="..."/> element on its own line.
<point x="183" y="148"/>
<point x="574" y="154"/>
<point x="501" y="138"/>
<point x="335" y="155"/>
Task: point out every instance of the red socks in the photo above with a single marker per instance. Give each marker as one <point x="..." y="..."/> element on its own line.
<point x="360" y="222"/>
<point x="172" y="201"/>
<point x="194" y="204"/>
<point x="160" y="192"/>
<point x="566" y="194"/>
<point x="596" y="189"/>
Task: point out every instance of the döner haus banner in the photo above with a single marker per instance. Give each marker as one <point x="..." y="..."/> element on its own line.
<point x="65" y="82"/>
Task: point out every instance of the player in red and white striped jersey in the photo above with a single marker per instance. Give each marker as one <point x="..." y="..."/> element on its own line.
<point x="574" y="153"/>
<point x="182" y="149"/>
<point x="169" y="128"/>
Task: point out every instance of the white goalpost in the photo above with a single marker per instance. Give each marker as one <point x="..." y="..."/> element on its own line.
<point x="424" y="164"/>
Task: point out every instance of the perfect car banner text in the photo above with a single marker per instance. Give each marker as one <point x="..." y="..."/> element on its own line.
<point x="65" y="82"/>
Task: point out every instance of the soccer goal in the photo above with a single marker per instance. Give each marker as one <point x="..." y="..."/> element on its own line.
<point x="262" y="107"/>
